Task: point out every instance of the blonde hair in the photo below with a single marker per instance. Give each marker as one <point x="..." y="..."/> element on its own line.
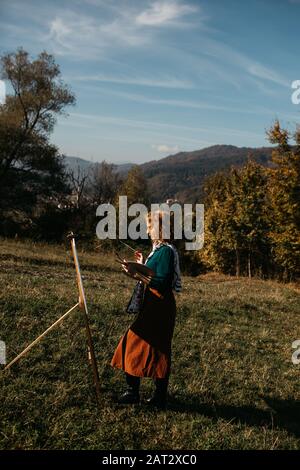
<point x="158" y="222"/>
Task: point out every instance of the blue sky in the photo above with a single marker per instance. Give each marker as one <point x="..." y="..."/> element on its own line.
<point x="154" y="77"/>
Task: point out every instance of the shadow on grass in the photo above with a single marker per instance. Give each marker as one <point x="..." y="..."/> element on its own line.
<point x="283" y="414"/>
<point x="55" y="263"/>
<point x="280" y="414"/>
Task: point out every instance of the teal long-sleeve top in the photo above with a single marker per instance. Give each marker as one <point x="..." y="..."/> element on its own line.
<point x="162" y="263"/>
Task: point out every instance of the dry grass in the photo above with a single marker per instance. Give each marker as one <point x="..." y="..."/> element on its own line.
<point x="233" y="384"/>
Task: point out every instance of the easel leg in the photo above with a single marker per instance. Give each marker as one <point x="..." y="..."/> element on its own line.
<point x="38" y="339"/>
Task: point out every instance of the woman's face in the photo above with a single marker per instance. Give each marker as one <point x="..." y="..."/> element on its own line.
<point x="149" y="228"/>
<point x="153" y="230"/>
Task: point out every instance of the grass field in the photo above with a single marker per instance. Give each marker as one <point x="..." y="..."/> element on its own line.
<point x="233" y="384"/>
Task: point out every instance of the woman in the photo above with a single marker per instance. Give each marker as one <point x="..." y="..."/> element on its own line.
<point x="145" y="349"/>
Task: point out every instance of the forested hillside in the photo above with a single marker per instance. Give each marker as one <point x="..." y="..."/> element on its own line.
<point x="182" y="175"/>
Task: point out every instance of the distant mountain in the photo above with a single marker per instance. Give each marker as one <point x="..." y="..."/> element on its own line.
<point x="72" y="163"/>
<point x="123" y="168"/>
<point x="181" y="176"/>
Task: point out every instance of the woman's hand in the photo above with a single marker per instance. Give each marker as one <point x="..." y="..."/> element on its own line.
<point x="129" y="270"/>
<point x="138" y="255"/>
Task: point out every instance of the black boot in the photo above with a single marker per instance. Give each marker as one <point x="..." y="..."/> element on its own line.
<point x="132" y="394"/>
<point x="159" y="399"/>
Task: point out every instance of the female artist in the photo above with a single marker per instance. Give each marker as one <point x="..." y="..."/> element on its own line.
<point x="145" y="349"/>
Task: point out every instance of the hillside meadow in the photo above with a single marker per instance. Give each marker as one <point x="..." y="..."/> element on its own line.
<point x="233" y="384"/>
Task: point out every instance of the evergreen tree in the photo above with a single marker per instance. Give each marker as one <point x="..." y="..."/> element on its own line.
<point x="236" y="220"/>
<point x="135" y="187"/>
<point x="284" y="194"/>
<point x="251" y="216"/>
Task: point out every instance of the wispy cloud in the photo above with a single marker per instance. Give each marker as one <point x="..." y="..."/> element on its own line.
<point x="81" y="33"/>
<point x="59" y="29"/>
<point x="87" y="36"/>
<point x="153" y="130"/>
<point x="161" y="82"/>
<point x="179" y="103"/>
<point x="163" y="148"/>
<point x="164" y="13"/>
<point x="116" y="129"/>
<point x="142" y="51"/>
<point x="224" y="53"/>
<point x="177" y="131"/>
<point x="266" y="73"/>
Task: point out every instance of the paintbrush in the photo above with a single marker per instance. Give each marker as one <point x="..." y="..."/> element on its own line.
<point x="144" y="278"/>
<point x="128" y="246"/>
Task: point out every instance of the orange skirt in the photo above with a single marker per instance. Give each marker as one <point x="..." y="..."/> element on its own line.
<point x="145" y="349"/>
<point x="137" y="357"/>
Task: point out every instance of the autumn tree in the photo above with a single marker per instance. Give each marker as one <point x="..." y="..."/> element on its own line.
<point x="251" y="217"/>
<point x="216" y="254"/>
<point x="284" y="194"/>
<point x="104" y="182"/>
<point x="236" y="219"/>
<point x="31" y="169"/>
<point x="135" y="187"/>
<point x="78" y="181"/>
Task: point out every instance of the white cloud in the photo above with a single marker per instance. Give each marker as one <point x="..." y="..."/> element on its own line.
<point x="162" y="82"/>
<point x="223" y="52"/>
<point x="152" y="130"/>
<point x="139" y="124"/>
<point x="178" y="103"/>
<point x="163" y="148"/>
<point x="163" y="12"/>
<point x="265" y="73"/>
<point x="85" y="36"/>
<point x="58" y="29"/>
<point x="78" y="33"/>
<point x="149" y="131"/>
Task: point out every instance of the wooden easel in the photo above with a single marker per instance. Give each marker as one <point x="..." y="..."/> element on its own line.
<point x="82" y="304"/>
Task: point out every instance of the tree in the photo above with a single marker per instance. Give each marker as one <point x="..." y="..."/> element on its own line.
<point x="284" y="195"/>
<point x="236" y="219"/>
<point x="251" y="217"/>
<point x="30" y="167"/>
<point x="28" y="116"/>
<point x="216" y="254"/>
<point x="104" y="182"/>
<point x="135" y="187"/>
<point x="78" y="183"/>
